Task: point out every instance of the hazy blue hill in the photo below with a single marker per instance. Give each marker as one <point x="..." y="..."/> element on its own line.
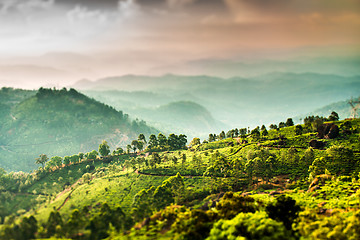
<point x="61" y="122"/>
<point x="183" y="116"/>
<point x="237" y="101"/>
<point x="170" y="112"/>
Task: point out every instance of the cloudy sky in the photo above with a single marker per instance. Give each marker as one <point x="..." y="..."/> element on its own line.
<point x="112" y="37"/>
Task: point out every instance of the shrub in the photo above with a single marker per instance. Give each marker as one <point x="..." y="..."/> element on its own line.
<point x="249" y="226"/>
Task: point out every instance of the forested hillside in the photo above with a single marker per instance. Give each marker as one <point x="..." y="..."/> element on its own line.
<point x="58" y="122"/>
<point x="281" y="182"/>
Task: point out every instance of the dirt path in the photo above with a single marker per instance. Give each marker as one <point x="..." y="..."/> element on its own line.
<point x="65" y="201"/>
<point x="164" y="175"/>
<point x="71" y="189"/>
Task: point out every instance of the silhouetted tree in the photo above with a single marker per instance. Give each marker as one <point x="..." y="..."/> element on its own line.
<point x="289" y="122"/>
<point x="333" y="116"/>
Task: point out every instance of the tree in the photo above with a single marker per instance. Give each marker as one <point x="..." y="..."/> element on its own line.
<point x="153" y="142"/>
<point x="128" y="148"/>
<point x="333" y="116"/>
<point x="255" y="133"/>
<point x="222" y="135"/>
<point x="141" y="137"/>
<point x="211" y="137"/>
<point x="67" y="160"/>
<point x="289" y="122"/>
<point x="182" y="141"/>
<point x="173" y="141"/>
<point x="230" y="134"/>
<point x="273" y="126"/>
<point x="162" y="141"/>
<point x="195" y="141"/>
<point x="57" y="161"/>
<point x="298" y="129"/>
<point x="284" y="210"/>
<point x="142" y="205"/>
<point x="264" y="132"/>
<point x="242" y="132"/>
<point x="92" y="155"/>
<point x="42" y="159"/>
<point x="263" y="128"/>
<point x="140" y="145"/>
<point x="74" y="158"/>
<point x="135" y="145"/>
<point x="53" y="222"/>
<point x="282" y="125"/>
<point x="169" y="191"/>
<point x="104" y="149"/>
<point x="118" y="151"/>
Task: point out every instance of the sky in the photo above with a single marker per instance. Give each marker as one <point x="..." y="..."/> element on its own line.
<point x="67" y="40"/>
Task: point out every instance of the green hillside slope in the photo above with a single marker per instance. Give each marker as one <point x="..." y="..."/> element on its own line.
<point x="61" y="122"/>
<point x="263" y="184"/>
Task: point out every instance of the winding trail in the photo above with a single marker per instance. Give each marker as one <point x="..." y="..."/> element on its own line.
<point x="65" y="201"/>
<point x="72" y="188"/>
<point x="165" y="175"/>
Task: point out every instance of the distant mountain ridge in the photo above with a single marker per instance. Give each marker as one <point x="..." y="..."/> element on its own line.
<point x="237" y="101"/>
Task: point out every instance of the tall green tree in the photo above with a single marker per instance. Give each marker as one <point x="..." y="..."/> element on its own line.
<point x="153" y="142"/>
<point x="211" y="137"/>
<point x="142" y="138"/>
<point x="162" y="141"/>
<point x="222" y="135"/>
<point x="135" y="145"/>
<point x="104" y="149"/>
<point x="128" y="148"/>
